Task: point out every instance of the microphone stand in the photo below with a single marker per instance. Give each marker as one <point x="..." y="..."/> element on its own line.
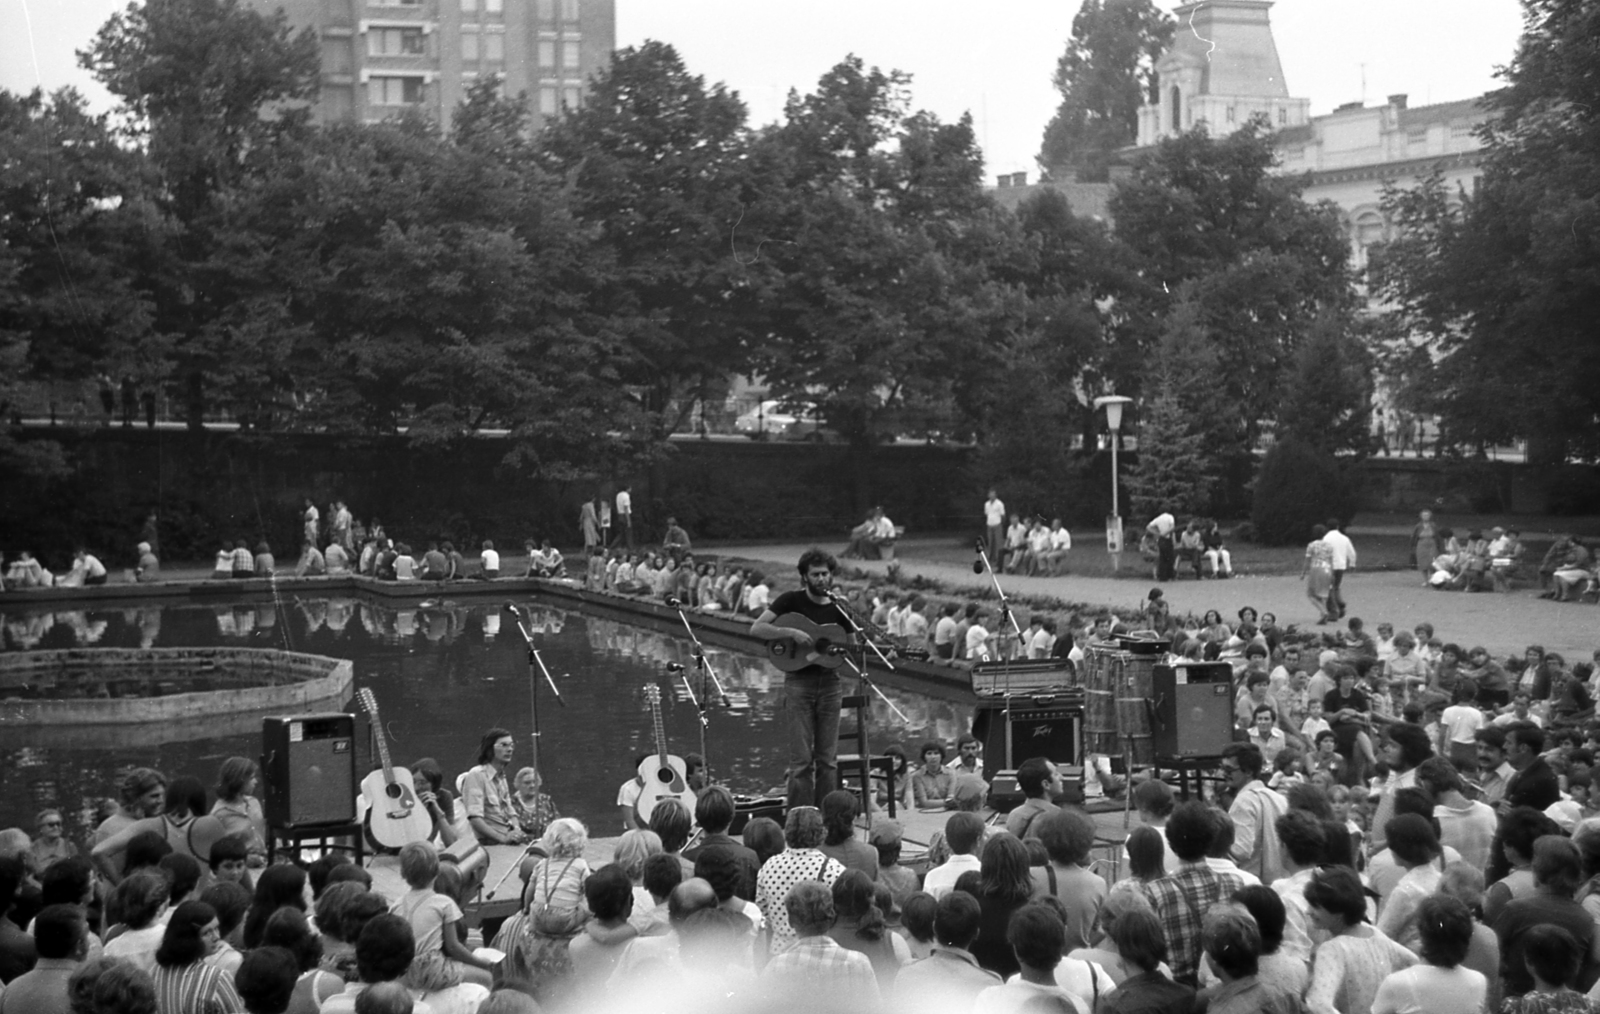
<point x="535" y="659"/>
<point x="984" y="566"/>
<point x="708" y="679"/>
<point x="860" y="668"/>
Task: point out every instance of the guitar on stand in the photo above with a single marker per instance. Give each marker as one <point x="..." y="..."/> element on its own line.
<point x="395" y="817"/>
<point x="664" y="775"/>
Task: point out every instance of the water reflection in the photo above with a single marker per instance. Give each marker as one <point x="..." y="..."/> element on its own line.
<point x="443" y="672"/>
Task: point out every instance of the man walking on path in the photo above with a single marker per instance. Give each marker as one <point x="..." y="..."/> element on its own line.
<point x="1162" y="526"/>
<point x="1344" y="558"/>
<point x="625" y="516"/>
<point x="994" y="519"/>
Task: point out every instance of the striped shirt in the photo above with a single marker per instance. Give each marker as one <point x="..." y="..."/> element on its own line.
<point x="196" y="988"/>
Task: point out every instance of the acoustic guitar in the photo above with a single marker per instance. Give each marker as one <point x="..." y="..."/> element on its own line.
<point x="829" y="642"/>
<point x="664" y="775"/>
<point x="395" y="817"/>
<point x="829" y="645"/>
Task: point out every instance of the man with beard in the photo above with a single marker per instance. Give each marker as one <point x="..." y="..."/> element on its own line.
<point x="811" y="694"/>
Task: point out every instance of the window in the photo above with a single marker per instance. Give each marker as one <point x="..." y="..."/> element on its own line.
<point x="547" y="10"/>
<point x="569" y="10"/>
<point x="469" y="6"/>
<point x="469" y="46"/>
<point x="494" y="6"/>
<point x="336" y="56"/>
<point x="547" y="54"/>
<point x="547" y="101"/>
<point x="1231" y="114"/>
<point x="394" y="91"/>
<point x="494" y="47"/>
<point x="1177" y="108"/>
<point x="570" y="95"/>
<point x="1283" y="117"/>
<point x="394" y="42"/>
<point x="569" y="55"/>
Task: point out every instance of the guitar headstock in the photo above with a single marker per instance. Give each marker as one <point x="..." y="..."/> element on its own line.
<point x="369" y="703"/>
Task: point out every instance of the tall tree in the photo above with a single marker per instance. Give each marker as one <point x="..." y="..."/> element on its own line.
<point x="880" y="230"/>
<point x="1105" y="75"/>
<point x="1177" y="468"/>
<point x="1329" y="403"/>
<point x="204" y="85"/>
<point x="1207" y="217"/>
<point x="656" y="166"/>
<point x="1498" y="291"/>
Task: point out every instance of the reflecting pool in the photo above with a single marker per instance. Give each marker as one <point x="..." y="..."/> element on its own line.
<point x="442" y="672"/>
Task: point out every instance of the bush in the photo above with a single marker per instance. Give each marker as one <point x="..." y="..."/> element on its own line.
<point x="1297" y="487"/>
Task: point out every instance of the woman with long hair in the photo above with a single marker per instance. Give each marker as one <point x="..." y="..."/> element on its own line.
<point x="861" y="928"/>
<point x="839" y="817"/>
<point x="278" y="886"/>
<point x="1147" y="856"/>
<point x="289" y="929"/>
<point x="1005" y="886"/>
<point x="183" y="824"/>
<point x="238" y="809"/>
<point x="185" y="983"/>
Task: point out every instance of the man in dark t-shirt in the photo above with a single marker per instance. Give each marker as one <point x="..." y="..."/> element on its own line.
<point x="811" y="695"/>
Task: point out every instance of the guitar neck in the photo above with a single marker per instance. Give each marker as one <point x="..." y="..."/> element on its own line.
<point x="660" y="730"/>
<point x="383" y="744"/>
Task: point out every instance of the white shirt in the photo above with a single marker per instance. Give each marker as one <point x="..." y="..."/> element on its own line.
<point x="1014" y="995"/>
<point x="1061" y="538"/>
<point x="624" y="503"/>
<point x="1344" y="552"/>
<point x="976" y="638"/>
<point x="941" y="880"/>
<point x="1463" y="721"/>
<point x="758" y="599"/>
<point x="994" y="512"/>
<point x="490" y="558"/>
<point x="1162" y="524"/>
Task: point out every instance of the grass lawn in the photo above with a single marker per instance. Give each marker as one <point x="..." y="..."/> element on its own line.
<point x="1089" y="558"/>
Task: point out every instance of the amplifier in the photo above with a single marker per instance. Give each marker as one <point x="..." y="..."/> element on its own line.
<point x="1024" y="676"/>
<point x="1193" y="709"/>
<point x="1006" y="795"/>
<point x="1054" y="732"/>
<point x="748" y="808"/>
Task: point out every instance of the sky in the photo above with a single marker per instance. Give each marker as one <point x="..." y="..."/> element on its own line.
<point x="993" y="60"/>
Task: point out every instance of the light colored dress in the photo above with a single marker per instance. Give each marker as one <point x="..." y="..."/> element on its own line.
<point x="1347" y="970"/>
<point x="1319" y="571"/>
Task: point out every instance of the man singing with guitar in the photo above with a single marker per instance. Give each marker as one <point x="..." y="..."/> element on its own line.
<point x="793" y="625"/>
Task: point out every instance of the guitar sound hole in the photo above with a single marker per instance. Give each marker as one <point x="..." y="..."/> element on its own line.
<point x="664" y="777"/>
<point x="394" y="790"/>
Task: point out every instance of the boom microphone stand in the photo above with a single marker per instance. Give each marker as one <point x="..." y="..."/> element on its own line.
<point x="708" y="680"/>
<point x="982" y="565"/>
<point x="534" y="660"/>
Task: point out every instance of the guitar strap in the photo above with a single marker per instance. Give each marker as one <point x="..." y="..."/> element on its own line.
<point x="821" y="868"/>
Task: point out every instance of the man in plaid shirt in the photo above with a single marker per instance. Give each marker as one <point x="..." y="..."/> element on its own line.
<point x="1181" y="898"/>
<point x="833" y="978"/>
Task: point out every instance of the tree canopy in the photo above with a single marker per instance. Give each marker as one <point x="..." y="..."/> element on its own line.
<point x="1494" y="294"/>
<point x="1106" y="73"/>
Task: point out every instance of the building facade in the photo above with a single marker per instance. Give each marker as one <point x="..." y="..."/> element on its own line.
<point x="382" y="57"/>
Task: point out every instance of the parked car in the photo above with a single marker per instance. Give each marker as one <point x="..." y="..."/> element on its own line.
<point x="769" y="420"/>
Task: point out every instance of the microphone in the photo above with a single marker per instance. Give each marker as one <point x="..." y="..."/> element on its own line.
<point x="510" y="605"/>
<point x="977" y="566"/>
<point x="673" y="602"/>
<point x="836" y="595"/>
<point x="674" y="667"/>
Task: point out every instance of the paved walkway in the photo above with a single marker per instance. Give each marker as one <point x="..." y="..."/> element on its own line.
<point x="1503" y="623"/>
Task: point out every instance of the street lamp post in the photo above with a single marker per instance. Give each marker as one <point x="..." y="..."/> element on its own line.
<point x="1113" y="404"/>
